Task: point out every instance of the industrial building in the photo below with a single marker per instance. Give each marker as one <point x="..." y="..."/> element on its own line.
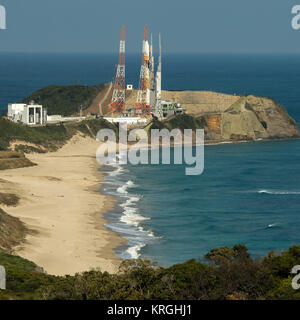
<point x="170" y="108"/>
<point x="30" y="114"/>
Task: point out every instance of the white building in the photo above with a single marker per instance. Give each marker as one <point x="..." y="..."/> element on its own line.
<point x="129" y="87"/>
<point x="32" y="114"/>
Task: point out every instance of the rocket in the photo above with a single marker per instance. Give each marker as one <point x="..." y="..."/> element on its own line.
<point x="149" y="93"/>
<point x="146" y="53"/>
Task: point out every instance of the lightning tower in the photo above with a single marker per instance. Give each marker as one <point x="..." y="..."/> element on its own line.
<point x="158" y="108"/>
<point x="152" y="77"/>
<point x="143" y="105"/>
<point x="118" y="98"/>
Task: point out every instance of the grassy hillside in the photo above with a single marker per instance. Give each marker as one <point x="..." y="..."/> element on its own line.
<point x="65" y="100"/>
<point x="8" y="199"/>
<point x="229" y="273"/>
<point x="12" y="231"/>
<point x="13" y="160"/>
<point x="48" y="137"/>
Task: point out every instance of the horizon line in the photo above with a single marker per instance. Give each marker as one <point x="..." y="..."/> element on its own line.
<point x="168" y="53"/>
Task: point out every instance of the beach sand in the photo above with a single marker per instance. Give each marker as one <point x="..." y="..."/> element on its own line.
<point x="61" y="206"/>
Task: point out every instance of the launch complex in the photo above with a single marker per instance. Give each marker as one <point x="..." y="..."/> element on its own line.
<point x="149" y="101"/>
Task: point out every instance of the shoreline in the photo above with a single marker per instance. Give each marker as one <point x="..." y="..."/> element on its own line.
<point x="62" y="207"/>
<point x="129" y="216"/>
<point x="81" y="237"/>
<point x="126" y="218"/>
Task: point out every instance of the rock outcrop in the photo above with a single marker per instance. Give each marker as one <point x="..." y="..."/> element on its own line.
<point x="251" y="118"/>
<point x="248" y="118"/>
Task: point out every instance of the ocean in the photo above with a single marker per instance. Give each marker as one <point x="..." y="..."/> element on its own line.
<point x="249" y="193"/>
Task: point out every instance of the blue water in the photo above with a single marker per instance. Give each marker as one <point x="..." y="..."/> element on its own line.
<point x="249" y="193"/>
<point x="265" y="75"/>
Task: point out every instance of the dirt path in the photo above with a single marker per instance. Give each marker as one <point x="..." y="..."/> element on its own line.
<point x="104" y="98"/>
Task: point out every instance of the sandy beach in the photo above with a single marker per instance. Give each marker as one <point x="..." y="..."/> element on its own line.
<point x="62" y="207"/>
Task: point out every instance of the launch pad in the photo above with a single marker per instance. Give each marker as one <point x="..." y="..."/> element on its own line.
<point x="149" y="101"/>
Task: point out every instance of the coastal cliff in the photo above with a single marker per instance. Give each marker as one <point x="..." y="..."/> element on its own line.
<point x="224" y="117"/>
<point x="257" y="118"/>
<point x="247" y="119"/>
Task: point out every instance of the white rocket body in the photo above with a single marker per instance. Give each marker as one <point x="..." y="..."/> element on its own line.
<point x="146" y="49"/>
<point x="144" y="95"/>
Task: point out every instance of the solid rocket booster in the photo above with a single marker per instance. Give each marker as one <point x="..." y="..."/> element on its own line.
<point x="146" y="49"/>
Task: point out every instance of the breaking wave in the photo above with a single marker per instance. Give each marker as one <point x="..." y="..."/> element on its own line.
<point x="116" y="172"/>
<point x="273" y="225"/>
<point x="279" y="192"/>
<point x="123" y="188"/>
<point x="134" y="251"/>
<point x="127" y="219"/>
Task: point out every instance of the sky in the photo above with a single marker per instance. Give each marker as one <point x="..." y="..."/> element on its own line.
<point x="187" y="26"/>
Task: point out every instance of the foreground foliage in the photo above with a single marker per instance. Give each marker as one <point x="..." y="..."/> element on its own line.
<point x="228" y="273"/>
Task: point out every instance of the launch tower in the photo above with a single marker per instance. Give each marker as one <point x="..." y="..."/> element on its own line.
<point x="143" y="104"/>
<point x="118" y="98"/>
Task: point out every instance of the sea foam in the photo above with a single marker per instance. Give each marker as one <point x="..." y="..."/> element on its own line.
<point x="128" y="223"/>
<point x="134" y="251"/>
<point x="279" y="192"/>
<point x="124" y="187"/>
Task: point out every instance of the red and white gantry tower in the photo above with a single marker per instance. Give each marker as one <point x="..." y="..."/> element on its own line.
<point x="118" y="98"/>
<point x="142" y="105"/>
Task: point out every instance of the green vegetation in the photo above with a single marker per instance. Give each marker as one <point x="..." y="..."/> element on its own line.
<point x="9" y="199"/>
<point x="181" y="121"/>
<point x="65" y="100"/>
<point x="13" y="160"/>
<point x="23" y="278"/>
<point x="28" y="149"/>
<point x="228" y="273"/>
<point x="49" y="137"/>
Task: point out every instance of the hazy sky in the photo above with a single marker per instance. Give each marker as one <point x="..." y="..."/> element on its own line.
<point x="186" y="25"/>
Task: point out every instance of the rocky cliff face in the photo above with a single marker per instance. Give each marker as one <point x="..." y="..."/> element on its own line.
<point x="250" y="118"/>
<point x="274" y="118"/>
<point x="246" y="119"/>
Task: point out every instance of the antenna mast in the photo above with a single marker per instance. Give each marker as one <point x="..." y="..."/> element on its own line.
<point x="158" y="109"/>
